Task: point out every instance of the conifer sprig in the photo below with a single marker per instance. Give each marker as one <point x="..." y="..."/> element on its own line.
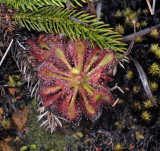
<point x="76" y="25"/>
<point x="35" y="4"/>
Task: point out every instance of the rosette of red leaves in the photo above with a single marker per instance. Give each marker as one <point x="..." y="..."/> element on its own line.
<point x="73" y="76"/>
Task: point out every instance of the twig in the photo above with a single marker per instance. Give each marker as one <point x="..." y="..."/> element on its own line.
<point x="126" y="53"/>
<point x="114" y="104"/>
<point x="6" y="52"/>
<point x="80" y="21"/>
<point x="98" y="9"/>
<point x="149" y="6"/>
<point x="21" y="45"/>
<point x="153" y="7"/>
<point x="68" y="5"/>
<point x="91" y="7"/>
<point x="140" y="33"/>
<point x="117" y="87"/>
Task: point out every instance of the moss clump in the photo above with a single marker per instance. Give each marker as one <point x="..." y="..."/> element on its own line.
<point x="119" y="28"/>
<point x="148" y="104"/>
<point x="33" y="147"/>
<point x="157" y="53"/>
<point x="135" y="90"/>
<point x="154" y="69"/>
<point x="138" y="39"/>
<point x="137" y="106"/>
<point x="154" y="48"/>
<point x="143" y="23"/>
<point x="131" y="19"/>
<point x="118" y="147"/>
<point x="154" y="34"/>
<point x="127" y="12"/>
<point x="6" y="124"/>
<point x="118" y="14"/>
<point x="13" y="80"/>
<point x="153" y="86"/>
<point x="145" y="116"/>
<point x="23" y="148"/>
<point x="129" y="74"/>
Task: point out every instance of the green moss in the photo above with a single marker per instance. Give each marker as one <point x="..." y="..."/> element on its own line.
<point x="23" y="148"/>
<point x="148" y="104"/>
<point x="154" y="47"/>
<point x="78" y="135"/>
<point x="129" y="74"/>
<point x="127" y="12"/>
<point x="146" y="116"/>
<point x="118" y="147"/>
<point x="13" y="80"/>
<point x="135" y="90"/>
<point x="154" y="34"/>
<point x="6" y="124"/>
<point x="19" y="83"/>
<point x="153" y="86"/>
<point x="154" y="69"/>
<point x="130" y="18"/>
<point x="137" y="106"/>
<point x="157" y="53"/>
<point x="34" y="103"/>
<point x="138" y="39"/>
<point x="33" y="147"/>
<point x="116" y="123"/>
<point x="37" y="137"/>
<point x="119" y="28"/>
<point x="118" y="14"/>
<point x="143" y="23"/>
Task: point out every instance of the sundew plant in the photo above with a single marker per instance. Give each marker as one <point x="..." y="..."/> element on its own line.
<point x="73" y="76"/>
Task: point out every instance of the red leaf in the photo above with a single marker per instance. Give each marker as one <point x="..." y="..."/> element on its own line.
<point x="47" y="90"/>
<point x="71" y="111"/>
<point x="48" y="101"/>
<point x="38" y="52"/>
<point x="89" y="108"/>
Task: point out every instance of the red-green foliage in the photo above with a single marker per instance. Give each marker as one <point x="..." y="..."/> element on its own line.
<point x="73" y="76"/>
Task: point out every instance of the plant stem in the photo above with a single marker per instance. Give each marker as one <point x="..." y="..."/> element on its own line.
<point x="6" y="52"/>
<point x="149" y="6"/>
<point x="153" y="6"/>
<point x="140" y="33"/>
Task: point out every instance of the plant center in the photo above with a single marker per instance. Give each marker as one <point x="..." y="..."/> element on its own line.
<point x="77" y="77"/>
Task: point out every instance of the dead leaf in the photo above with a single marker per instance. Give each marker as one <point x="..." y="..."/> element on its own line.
<point x="139" y="135"/>
<point x="19" y="97"/>
<point x="8" y="139"/>
<point x="1" y="113"/>
<point x="115" y="102"/>
<point x="4" y="146"/>
<point x="1" y="118"/>
<point x="13" y="91"/>
<point x="20" y="119"/>
<point x="132" y="145"/>
<point x="17" y="139"/>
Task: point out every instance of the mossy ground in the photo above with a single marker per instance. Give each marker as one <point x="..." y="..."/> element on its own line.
<point x="44" y="140"/>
